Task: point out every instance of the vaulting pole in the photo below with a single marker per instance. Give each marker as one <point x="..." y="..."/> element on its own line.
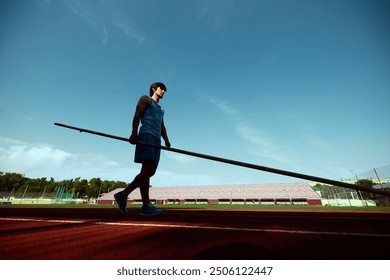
<point x="239" y="163"/>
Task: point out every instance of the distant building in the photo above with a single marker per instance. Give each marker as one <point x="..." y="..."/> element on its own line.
<point x="261" y="194"/>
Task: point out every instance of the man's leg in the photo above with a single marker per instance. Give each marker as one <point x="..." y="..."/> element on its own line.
<point x="147" y="171"/>
<point x="143" y="179"/>
<point x="131" y="187"/>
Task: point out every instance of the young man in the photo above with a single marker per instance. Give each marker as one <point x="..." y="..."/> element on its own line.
<point x="150" y="113"/>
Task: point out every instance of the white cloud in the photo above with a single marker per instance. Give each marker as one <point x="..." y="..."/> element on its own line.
<point x="18" y="156"/>
<point x="166" y="178"/>
<point x="252" y="135"/>
<point x="231" y="112"/>
<point x="264" y="146"/>
<point x="215" y="14"/>
<point x="104" y="34"/>
<point x="44" y="160"/>
<point x="99" y="16"/>
<point x="90" y="16"/>
<point x="131" y="30"/>
<point x="182" y="159"/>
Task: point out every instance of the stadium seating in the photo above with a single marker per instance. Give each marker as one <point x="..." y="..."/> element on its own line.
<point x="288" y="193"/>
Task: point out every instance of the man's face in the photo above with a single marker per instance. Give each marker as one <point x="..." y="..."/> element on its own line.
<point x="159" y="92"/>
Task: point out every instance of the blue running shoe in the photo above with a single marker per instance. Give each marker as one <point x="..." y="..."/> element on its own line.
<point x="122" y="201"/>
<point x="150" y="210"/>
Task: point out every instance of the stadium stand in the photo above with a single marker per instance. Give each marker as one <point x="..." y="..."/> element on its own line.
<point x="265" y="194"/>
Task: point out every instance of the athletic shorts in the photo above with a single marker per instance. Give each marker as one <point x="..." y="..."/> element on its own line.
<point x="143" y="152"/>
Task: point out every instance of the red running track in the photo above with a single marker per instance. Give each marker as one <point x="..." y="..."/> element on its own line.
<point x="104" y="233"/>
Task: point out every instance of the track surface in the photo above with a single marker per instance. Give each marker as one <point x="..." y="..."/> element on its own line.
<point x="104" y="233"/>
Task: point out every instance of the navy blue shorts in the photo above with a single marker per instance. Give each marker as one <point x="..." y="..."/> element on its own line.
<point x="143" y="152"/>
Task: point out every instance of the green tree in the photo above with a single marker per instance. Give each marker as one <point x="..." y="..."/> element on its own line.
<point x="107" y="186"/>
<point x="94" y="187"/>
<point x="119" y="184"/>
<point x="17" y="183"/>
<point x="367" y="183"/>
<point x="11" y="181"/>
<point x="81" y="187"/>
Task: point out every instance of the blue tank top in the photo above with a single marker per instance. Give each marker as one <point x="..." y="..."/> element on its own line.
<point x="151" y="120"/>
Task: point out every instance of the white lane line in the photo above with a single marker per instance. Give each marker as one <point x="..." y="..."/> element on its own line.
<point x="273" y="216"/>
<point x="198" y="227"/>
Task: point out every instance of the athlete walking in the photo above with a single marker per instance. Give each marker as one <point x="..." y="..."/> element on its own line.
<point x="150" y="113"/>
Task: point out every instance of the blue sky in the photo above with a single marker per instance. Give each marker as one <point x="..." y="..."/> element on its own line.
<point x="297" y="85"/>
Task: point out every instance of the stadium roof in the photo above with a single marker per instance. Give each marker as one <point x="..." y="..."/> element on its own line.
<point x="258" y="191"/>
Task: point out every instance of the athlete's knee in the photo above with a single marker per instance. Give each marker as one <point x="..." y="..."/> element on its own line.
<point x="148" y="168"/>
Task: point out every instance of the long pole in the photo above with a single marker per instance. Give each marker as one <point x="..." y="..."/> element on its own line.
<point x="238" y="163"/>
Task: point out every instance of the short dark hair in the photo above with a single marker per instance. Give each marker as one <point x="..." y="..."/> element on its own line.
<point x="155" y="85"/>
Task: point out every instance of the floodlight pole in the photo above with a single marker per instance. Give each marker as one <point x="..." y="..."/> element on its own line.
<point x="238" y="163"/>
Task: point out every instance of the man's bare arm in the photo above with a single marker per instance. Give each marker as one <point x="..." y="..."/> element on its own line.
<point x="143" y="102"/>
<point x="165" y="135"/>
